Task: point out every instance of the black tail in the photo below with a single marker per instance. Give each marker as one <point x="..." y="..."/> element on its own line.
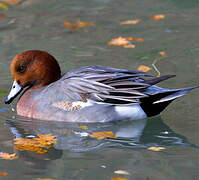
<point x="155" y="103"/>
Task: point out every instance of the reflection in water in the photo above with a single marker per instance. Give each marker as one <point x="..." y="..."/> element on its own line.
<point x="131" y="134"/>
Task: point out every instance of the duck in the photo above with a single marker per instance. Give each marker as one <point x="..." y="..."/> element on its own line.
<point x="86" y="94"/>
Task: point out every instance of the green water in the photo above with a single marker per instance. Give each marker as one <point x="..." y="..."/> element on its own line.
<point x="38" y="24"/>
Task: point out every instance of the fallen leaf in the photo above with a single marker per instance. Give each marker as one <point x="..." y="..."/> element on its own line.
<point x="129" y="38"/>
<point x="118" y="178"/>
<point x="103" y="135"/>
<point x="3" y="6"/>
<point x="45" y="179"/>
<point x="83" y="127"/>
<point x="156" y="148"/>
<point x="135" y="21"/>
<point x="2" y="16"/>
<point x="129" y="46"/>
<point x="143" y="68"/>
<point x="121" y="172"/>
<point x="3" y="174"/>
<point x="120" y="41"/>
<point x="162" y="53"/>
<point x="8" y="156"/>
<point x="158" y="17"/>
<point x="139" y="40"/>
<point x="84" y="24"/>
<point x="71" y="26"/>
<point x="11" y="2"/>
<point x="39" y="144"/>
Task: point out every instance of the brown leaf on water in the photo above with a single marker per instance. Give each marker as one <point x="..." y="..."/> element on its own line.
<point x="129" y="46"/>
<point x="71" y="26"/>
<point x="11" y="2"/>
<point x="120" y="41"/>
<point x="2" y="16"/>
<point x="118" y="178"/>
<point x="135" y="21"/>
<point x="103" y="135"/>
<point x="84" y="24"/>
<point x="39" y="144"/>
<point x="139" y="40"/>
<point x="8" y="156"/>
<point x="3" y="173"/>
<point x="162" y="53"/>
<point x="143" y="68"/>
<point x="156" y="148"/>
<point x="158" y="17"/>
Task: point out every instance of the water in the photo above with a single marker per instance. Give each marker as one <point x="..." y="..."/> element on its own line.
<point x="36" y="24"/>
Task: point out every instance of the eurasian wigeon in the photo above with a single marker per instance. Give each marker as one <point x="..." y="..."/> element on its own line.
<point x="87" y="94"/>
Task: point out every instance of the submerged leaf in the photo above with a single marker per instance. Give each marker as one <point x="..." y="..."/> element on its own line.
<point x="71" y="26"/>
<point x="3" y="92"/>
<point x="2" y="16"/>
<point x="84" y="24"/>
<point x="8" y="156"/>
<point x="45" y="179"/>
<point x="3" y="174"/>
<point x="129" y="46"/>
<point x="3" y="6"/>
<point x="162" y="53"/>
<point x="118" y="178"/>
<point x="139" y="40"/>
<point x="103" y="135"/>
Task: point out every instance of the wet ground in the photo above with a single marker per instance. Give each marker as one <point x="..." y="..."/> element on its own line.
<point x="36" y="24"/>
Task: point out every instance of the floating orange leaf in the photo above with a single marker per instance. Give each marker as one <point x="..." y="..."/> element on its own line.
<point x="129" y="46"/>
<point x="162" y="53"/>
<point x="139" y="40"/>
<point x="83" y="127"/>
<point x="120" y="41"/>
<point x="70" y="25"/>
<point x="135" y="21"/>
<point x="12" y="2"/>
<point x="129" y="38"/>
<point x="156" y="148"/>
<point x="158" y="17"/>
<point x="45" y="179"/>
<point x="122" y="172"/>
<point x="84" y="24"/>
<point x="8" y="156"/>
<point x="143" y="68"/>
<point x="118" y="178"/>
<point x="39" y="144"/>
<point x="103" y="135"/>
<point x="3" y="174"/>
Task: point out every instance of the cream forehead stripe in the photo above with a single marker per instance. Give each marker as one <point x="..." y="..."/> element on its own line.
<point x="71" y="106"/>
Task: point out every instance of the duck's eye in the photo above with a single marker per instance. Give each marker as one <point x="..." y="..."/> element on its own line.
<point x="22" y="69"/>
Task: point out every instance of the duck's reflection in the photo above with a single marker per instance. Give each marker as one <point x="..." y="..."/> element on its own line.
<point x="133" y="134"/>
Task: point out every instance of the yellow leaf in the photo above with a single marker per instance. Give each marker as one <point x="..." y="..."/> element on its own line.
<point x="3" y="6"/>
<point x="121" y="172"/>
<point x="143" y="68"/>
<point x="8" y="156"/>
<point x="129" y="46"/>
<point x="158" y="17"/>
<point x="83" y="127"/>
<point x="139" y="40"/>
<point x="156" y="148"/>
<point x="120" y="41"/>
<point x="84" y="24"/>
<point x="118" y="178"/>
<point x="3" y="174"/>
<point x="103" y="135"/>
<point x="12" y="2"/>
<point x="130" y="21"/>
<point x="162" y="53"/>
<point x="71" y="26"/>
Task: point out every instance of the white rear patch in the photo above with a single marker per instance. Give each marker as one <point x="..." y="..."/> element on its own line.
<point x="133" y="112"/>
